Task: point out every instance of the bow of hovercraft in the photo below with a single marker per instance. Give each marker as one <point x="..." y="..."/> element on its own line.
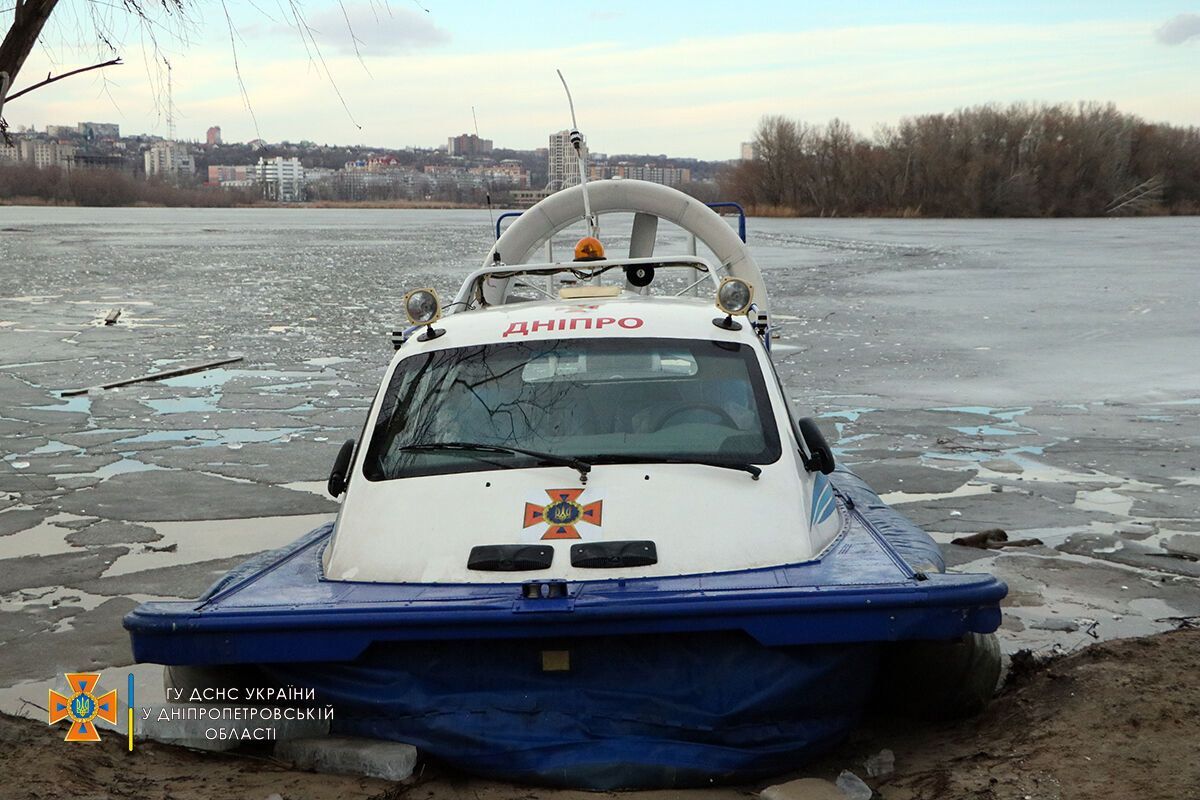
<point x="603" y="683"/>
<point x="584" y="540"/>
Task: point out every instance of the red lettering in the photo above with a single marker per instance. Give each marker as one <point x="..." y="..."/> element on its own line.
<point x="517" y="327"/>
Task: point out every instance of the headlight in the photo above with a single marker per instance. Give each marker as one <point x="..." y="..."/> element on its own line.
<point x="422" y="306"/>
<point x="734" y="296"/>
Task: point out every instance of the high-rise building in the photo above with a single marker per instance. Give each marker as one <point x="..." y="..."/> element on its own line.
<point x="107" y="161"/>
<point x="670" y="176"/>
<point x="169" y="158"/>
<point x="99" y="130"/>
<point x="42" y="153"/>
<point x="562" y="161"/>
<point x="468" y="144"/>
<point x="282" y="179"/>
<point x="509" y="173"/>
<point x="749" y="151"/>
<point x="220" y="174"/>
<point x="213" y="136"/>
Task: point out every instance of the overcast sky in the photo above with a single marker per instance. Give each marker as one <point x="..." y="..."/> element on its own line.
<point x="685" y="78"/>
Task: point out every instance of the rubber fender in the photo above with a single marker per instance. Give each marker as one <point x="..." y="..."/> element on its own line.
<point x="940" y="680"/>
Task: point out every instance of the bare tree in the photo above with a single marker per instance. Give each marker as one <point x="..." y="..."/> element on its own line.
<point x="154" y="19"/>
<point x="30" y="18"/>
<point x="1019" y="160"/>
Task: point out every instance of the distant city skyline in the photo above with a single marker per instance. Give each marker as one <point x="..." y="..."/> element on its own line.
<point x="684" y="79"/>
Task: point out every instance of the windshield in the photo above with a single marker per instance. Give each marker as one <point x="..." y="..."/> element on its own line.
<point x="599" y="400"/>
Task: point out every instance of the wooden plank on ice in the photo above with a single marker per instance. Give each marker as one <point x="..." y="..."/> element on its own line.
<point x="155" y="376"/>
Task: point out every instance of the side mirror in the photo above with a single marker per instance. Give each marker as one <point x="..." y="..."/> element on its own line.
<point x="820" y="458"/>
<point x="339" y="476"/>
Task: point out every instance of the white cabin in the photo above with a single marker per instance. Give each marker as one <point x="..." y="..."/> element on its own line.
<point x="601" y="413"/>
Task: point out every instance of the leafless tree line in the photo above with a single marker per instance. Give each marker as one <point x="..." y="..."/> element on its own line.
<point x="987" y="161"/>
<point x="25" y="183"/>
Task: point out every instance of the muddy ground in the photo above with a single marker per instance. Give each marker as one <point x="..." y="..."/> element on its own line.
<point x="1119" y="719"/>
<point x="1034" y="375"/>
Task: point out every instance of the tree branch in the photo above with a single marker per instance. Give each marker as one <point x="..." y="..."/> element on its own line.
<point x="111" y="63"/>
<point x="28" y="19"/>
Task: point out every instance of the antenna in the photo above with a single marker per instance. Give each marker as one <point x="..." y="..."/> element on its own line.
<point x="170" y="104"/>
<point x="488" y="193"/>
<point x="577" y="142"/>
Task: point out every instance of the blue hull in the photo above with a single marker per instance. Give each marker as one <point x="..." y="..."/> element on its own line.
<point x="670" y="681"/>
<point x="642" y="711"/>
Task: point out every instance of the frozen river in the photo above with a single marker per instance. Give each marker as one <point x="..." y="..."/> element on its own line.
<point x="1035" y="375"/>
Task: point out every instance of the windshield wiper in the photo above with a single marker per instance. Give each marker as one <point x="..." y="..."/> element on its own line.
<point x="582" y="467"/>
<point x="743" y="466"/>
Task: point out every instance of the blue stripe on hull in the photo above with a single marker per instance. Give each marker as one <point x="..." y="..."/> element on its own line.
<point x="822" y="500"/>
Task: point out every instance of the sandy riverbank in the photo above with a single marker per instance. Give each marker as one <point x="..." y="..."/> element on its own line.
<point x="1117" y="719"/>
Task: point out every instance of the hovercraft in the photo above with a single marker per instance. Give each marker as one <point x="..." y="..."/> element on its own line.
<point x="584" y="540"/>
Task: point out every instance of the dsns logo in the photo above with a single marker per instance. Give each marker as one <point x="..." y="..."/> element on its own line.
<point x="83" y="707"/>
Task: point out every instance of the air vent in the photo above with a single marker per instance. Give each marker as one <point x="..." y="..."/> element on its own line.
<point x="609" y="555"/>
<point x="510" y="557"/>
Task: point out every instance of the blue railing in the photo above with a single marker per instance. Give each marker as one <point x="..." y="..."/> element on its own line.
<point x="503" y="217"/>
